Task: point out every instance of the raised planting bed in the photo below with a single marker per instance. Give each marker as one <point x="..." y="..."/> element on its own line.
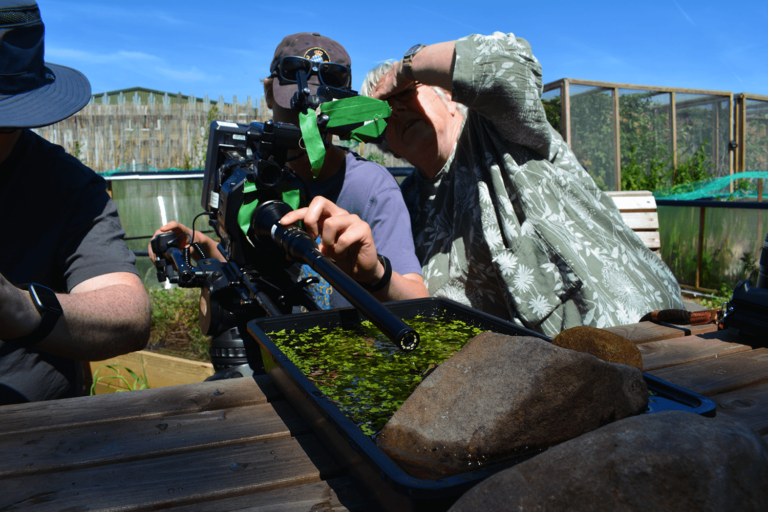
<point x="388" y="483"/>
<point x="161" y="371"/>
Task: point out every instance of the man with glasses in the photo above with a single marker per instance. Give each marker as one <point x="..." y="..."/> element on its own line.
<point x="505" y="218"/>
<point x="357" y="209"/>
<point x="69" y="290"/>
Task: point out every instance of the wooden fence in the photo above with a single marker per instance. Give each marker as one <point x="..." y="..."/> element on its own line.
<point x="160" y="134"/>
<point x="136" y="136"/>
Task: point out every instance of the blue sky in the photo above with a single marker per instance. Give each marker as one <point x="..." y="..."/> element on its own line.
<point x="225" y="47"/>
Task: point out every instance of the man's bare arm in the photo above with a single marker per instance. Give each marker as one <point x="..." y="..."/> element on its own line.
<point x="431" y="66"/>
<point x="104" y="316"/>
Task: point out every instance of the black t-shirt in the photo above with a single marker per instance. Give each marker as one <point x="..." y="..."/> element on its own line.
<point x="62" y="229"/>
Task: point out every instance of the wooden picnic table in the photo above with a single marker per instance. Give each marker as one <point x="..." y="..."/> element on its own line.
<point x="238" y="445"/>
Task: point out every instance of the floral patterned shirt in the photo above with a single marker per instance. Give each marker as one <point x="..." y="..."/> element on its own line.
<point x="513" y="225"/>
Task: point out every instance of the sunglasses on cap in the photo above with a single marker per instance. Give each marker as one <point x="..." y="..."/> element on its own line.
<point x="329" y="73"/>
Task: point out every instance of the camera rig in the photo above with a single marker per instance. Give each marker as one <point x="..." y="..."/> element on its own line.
<point x="247" y="190"/>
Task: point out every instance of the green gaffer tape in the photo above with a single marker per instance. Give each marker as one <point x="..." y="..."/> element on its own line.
<point x="312" y="140"/>
<point x="357" y="109"/>
<point x="354" y="110"/>
<point x="290" y="197"/>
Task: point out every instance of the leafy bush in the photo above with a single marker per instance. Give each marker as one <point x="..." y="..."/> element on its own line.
<point x="175" y="324"/>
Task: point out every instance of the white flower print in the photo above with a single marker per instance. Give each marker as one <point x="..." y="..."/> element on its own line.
<point x="540" y="305"/>
<point x="506" y="262"/>
<point x="510" y="228"/>
<point x="579" y="204"/>
<point x="619" y="283"/>
<point x="431" y="271"/>
<point x="625" y="315"/>
<point x="654" y="262"/>
<point x="455" y="293"/>
<point x="485" y="195"/>
<point x="493" y="237"/>
<point x="495" y="43"/>
<point x="523" y="279"/>
<point x="527" y="229"/>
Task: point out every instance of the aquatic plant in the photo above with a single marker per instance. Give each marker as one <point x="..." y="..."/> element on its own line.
<point x="363" y="372"/>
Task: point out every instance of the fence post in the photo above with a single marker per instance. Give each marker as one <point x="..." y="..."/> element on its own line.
<point x="702" y="213"/>
<point x="617" y="137"/>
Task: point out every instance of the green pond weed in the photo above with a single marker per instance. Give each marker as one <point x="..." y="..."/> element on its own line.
<point x="363" y="372"/>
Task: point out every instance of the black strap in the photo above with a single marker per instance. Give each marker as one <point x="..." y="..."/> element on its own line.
<point x="385" y="279"/>
<point x="47" y="323"/>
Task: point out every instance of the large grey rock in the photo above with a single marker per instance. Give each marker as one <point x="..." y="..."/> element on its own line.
<point x="503" y="395"/>
<point x="667" y="461"/>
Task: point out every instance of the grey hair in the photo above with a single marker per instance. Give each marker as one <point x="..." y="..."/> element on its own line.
<point x="372" y="79"/>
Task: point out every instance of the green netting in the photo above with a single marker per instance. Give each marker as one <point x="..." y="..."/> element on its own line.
<point x="739" y="186"/>
<point x="142" y="167"/>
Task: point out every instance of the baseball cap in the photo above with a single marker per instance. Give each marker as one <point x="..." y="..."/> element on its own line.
<point x="310" y="46"/>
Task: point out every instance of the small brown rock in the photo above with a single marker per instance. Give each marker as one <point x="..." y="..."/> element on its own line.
<point x="602" y="344"/>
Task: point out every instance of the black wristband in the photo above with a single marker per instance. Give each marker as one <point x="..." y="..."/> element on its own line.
<point x="385" y="279"/>
<point x="47" y="304"/>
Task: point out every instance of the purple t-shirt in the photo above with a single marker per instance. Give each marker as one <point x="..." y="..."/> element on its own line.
<point x="368" y="190"/>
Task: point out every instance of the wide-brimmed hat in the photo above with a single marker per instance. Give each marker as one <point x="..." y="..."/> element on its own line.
<point x="311" y="46"/>
<point x="33" y="92"/>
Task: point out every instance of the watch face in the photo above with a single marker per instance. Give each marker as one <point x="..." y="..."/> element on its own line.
<point x="414" y="49"/>
<point x="45" y="299"/>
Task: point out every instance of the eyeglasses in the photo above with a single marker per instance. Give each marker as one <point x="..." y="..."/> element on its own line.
<point x="329" y="73"/>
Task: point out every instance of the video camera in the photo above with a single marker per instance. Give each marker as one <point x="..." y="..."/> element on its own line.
<point x="247" y="190"/>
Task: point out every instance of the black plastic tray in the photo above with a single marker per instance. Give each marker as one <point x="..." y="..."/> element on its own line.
<point x="392" y="487"/>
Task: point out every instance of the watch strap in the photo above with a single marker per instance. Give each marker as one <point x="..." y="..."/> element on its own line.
<point x="385" y="279"/>
<point x="47" y="323"/>
<point x="406" y="63"/>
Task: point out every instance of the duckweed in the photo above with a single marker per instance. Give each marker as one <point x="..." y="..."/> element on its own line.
<point x="363" y="372"/>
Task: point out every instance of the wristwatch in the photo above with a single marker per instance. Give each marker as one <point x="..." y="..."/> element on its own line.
<point x="48" y="306"/>
<point x="405" y="64"/>
<point x="384" y="281"/>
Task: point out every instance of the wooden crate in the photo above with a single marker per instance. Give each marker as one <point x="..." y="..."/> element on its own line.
<point x="638" y="209"/>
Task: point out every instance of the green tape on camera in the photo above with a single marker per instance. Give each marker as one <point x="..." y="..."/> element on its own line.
<point x="291" y="197"/>
<point x="354" y="110"/>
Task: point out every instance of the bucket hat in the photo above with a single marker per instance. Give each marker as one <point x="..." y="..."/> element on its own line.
<point x="33" y="93"/>
<point x="311" y="46"/>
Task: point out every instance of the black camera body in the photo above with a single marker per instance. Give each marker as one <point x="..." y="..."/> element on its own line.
<point x="239" y="155"/>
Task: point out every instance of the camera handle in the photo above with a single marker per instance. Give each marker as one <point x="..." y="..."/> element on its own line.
<point x="299" y="245"/>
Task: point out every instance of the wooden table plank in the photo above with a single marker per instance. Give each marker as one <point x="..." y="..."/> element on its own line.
<point x="64" y="450"/>
<point x="645" y="332"/>
<point x="89" y="411"/>
<point x="661" y="354"/>
<point x="748" y="405"/>
<point x="727" y="335"/>
<point x="334" y="495"/>
<point x="720" y="375"/>
<point x="698" y="330"/>
<point x="182" y="479"/>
